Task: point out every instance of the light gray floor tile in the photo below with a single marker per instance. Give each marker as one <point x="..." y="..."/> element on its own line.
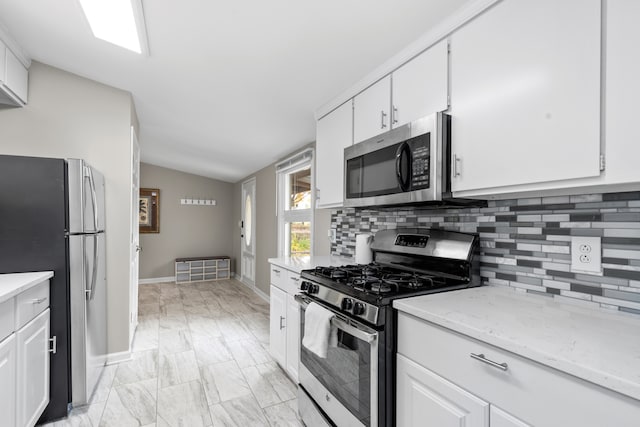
<point x="269" y="384"/>
<point x="178" y="368"/>
<point x="248" y="353"/>
<point x="131" y="405"/>
<point x="143" y="366"/>
<point x="101" y="393"/>
<point x="184" y="405"/>
<point x="174" y="341"/>
<point x="84" y="416"/>
<point x="284" y="414"/>
<point x="210" y="350"/>
<point x="243" y="411"/>
<point x="223" y="381"/>
<point x="233" y="330"/>
<point x="178" y="321"/>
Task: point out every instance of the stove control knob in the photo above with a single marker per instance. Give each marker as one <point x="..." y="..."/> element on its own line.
<point x="314" y="289"/>
<point x="347" y="304"/>
<point x="358" y="309"/>
<point x="304" y="286"/>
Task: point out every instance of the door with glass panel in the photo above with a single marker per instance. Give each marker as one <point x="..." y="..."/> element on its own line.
<point x="248" y="235"/>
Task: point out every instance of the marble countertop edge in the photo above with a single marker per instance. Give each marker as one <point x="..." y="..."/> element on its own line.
<point x="12" y="284"/>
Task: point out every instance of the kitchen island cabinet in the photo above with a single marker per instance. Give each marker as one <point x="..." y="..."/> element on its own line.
<point x="24" y="347"/>
<point x="504" y="358"/>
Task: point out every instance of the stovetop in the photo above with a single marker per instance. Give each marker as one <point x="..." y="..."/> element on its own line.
<point x="375" y="283"/>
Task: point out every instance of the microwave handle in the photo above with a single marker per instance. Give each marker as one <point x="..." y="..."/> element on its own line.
<point x="404" y="147"/>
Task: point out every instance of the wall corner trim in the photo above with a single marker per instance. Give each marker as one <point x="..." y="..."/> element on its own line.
<point x="253" y="288"/>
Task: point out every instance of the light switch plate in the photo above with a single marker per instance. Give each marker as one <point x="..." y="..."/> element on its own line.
<point x="586" y="255"/>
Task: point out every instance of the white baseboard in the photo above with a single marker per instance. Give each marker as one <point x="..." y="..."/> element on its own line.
<point x="253" y="288"/>
<point x="157" y="280"/>
<point x="114" y="358"/>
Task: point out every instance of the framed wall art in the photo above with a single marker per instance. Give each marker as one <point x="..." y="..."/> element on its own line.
<point x="149" y="210"/>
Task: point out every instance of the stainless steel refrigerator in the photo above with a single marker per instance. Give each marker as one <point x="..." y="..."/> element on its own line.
<point x="52" y="217"/>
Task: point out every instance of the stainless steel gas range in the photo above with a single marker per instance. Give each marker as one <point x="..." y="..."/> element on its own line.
<point x="355" y="384"/>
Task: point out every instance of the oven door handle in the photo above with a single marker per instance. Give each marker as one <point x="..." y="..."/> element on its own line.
<point x="353" y="330"/>
<point x="350" y="327"/>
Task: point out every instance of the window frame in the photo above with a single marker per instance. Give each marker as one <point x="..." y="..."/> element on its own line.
<point x="297" y="162"/>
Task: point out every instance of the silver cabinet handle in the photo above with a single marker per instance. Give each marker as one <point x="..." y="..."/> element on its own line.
<point x="281" y="325"/>
<point x="276" y="271"/>
<point x="456" y="165"/>
<point x="482" y="358"/>
<point x="383" y="115"/>
<point x="295" y="279"/>
<point x="54" y="345"/>
<point x="38" y="300"/>
<point x="394" y="115"/>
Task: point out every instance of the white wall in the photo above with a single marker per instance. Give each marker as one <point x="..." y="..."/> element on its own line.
<point x="70" y="116"/>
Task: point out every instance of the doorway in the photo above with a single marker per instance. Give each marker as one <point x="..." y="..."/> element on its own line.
<point x="248" y="233"/>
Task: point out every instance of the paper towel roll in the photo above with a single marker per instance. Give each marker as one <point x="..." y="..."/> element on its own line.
<point x="364" y="255"/>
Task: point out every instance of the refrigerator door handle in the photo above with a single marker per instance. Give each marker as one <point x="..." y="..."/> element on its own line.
<point x="94" y="274"/>
<point x="94" y="202"/>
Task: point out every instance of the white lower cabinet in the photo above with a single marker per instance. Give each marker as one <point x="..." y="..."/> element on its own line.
<point x="293" y="336"/>
<point x="8" y="380"/>
<point x="284" y="320"/>
<point x="277" y="325"/>
<point x="499" y="418"/>
<point x="426" y="399"/>
<point x="32" y="369"/>
<point x="445" y="378"/>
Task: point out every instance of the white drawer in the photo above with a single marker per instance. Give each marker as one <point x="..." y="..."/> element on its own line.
<point x="292" y="283"/>
<point x="7" y="321"/>
<point x="536" y="394"/>
<point x="31" y="302"/>
<point x="278" y="276"/>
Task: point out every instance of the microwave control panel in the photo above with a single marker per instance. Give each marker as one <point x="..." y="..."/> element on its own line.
<point x="421" y="161"/>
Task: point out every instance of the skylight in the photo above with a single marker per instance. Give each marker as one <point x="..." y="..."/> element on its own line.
<point x="117" y="21"/>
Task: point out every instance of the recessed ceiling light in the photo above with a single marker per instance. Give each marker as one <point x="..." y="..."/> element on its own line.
<point x="120" y="22"/>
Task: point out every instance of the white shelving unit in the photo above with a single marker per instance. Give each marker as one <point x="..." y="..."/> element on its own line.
<point x="198" y="269"/>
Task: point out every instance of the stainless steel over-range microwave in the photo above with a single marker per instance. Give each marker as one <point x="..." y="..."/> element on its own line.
<point x="409" y="164"/>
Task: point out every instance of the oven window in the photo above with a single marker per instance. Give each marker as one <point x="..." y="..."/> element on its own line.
<point x="346" y="372"/>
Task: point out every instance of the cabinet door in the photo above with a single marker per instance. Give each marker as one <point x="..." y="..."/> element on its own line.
<point x="33" y="370"/>
<point x="427" y="400"/>
<point x="293" y="336"/>
<point x="8" y="380"/>
<point x="622" y="132"/>
<point x="334" y="133"/>
<point x="277" y="330"/>
<point x="371" y="111"/>
<point x="525" y="94"/>
<point x="499" y="418"/>
<point x="420" y="86"/>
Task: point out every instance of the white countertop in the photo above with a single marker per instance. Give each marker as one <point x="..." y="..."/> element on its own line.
<point x="297" y="264"/>
<point x="599" y="346"/>
<point x="15" y="283"/>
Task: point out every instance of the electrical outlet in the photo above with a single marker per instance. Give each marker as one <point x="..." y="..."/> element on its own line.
<point x="586" y="254"/>
<point x="332" y="235"/>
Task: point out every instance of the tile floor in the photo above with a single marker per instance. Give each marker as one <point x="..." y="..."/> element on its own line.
<point x="200" y="358"/>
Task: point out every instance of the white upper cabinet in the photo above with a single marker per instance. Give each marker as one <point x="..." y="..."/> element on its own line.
<point x="622" y="133"/>
<point x="334" y="132"/>
<point x="372" y="111"/>
<point x="525" y="95"/>
<point x="420" y="86"/>
<point x="13" y="78"/>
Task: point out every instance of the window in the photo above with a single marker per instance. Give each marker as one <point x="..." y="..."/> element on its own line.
<point x="295" y="210"/>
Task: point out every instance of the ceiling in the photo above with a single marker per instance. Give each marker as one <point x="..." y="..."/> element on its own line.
<point x="229" y="86"/>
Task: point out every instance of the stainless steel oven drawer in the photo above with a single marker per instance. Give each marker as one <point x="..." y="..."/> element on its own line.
<point x="309" y="412"/>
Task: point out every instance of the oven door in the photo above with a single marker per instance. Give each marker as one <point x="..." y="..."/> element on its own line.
<point x="345" y="383"/>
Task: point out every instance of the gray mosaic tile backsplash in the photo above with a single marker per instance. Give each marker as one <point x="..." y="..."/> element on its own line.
<point x="525" y="243"/>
